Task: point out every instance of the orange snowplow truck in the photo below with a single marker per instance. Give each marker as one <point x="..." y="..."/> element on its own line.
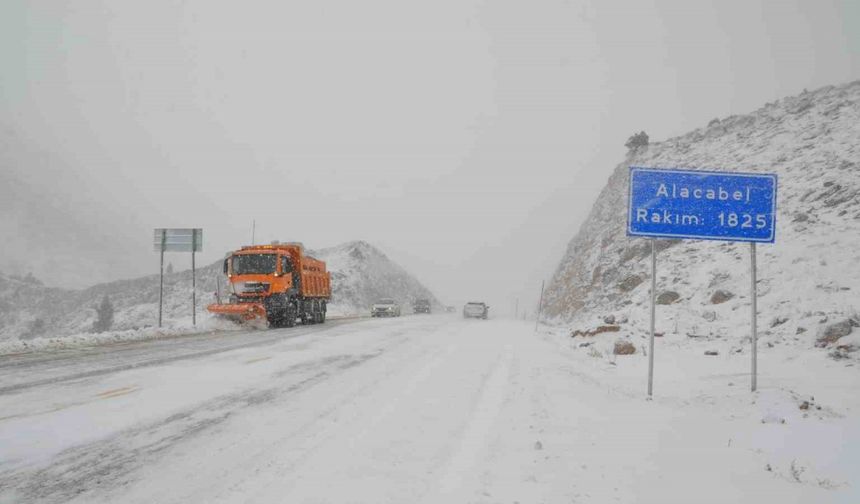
<point x="277" y="282"/>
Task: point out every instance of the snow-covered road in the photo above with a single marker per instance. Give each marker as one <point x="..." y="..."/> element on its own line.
<point x="27" y="370"/>
<point x="419" y="409"/>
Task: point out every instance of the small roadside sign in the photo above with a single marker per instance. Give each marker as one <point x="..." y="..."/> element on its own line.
<point x="178" y="240"/>
<point x="703" y="205"/>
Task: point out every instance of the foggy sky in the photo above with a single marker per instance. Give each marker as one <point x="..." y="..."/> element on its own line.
<point x="467" y="139"/>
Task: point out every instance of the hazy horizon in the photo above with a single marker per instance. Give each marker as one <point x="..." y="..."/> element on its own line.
<point x="466" y="140"/>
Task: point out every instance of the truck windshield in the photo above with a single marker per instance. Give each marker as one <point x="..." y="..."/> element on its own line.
<point x="254" y="264"/>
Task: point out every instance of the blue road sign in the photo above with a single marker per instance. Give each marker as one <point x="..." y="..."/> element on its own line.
<point x="704" y="205"/>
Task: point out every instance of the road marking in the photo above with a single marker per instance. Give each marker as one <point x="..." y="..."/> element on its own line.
<point x="107" y="394"/>
<point x="117" y="392"/>
<point x="258" y="359"/>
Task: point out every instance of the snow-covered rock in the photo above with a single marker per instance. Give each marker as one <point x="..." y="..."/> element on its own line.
<point x="807" y="278"/>
<point x="361" y="274"/>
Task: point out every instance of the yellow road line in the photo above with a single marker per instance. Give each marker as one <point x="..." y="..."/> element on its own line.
<point x="116" y="392"/>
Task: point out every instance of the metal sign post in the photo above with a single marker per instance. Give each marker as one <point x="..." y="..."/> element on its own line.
<point x="653" y="315"/>
<point x="193" y="280"/>
<point x="540" y="305"/>
<point x="178" y="240"/>
<point x="161" y="280"/>
<point x="218" y="289"/>
<point x="753" y="332"/>
<point x="702" y="205"/>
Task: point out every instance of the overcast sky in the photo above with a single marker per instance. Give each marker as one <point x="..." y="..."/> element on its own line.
<point x="467" y="139"/>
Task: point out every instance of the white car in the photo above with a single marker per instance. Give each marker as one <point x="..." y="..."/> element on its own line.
<point x="385" y="308"/>
<point x="476" y="309"/>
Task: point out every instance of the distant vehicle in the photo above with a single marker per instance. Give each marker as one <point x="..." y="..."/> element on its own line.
<point x="450" y="309"/>
<point x="421" y="306"/>
<point x="476" y="309"/>
<point x="386" y="307"/>
<point x="278" y="283"/>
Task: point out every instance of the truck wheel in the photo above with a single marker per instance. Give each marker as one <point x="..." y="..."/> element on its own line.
<point x="307" y="317"/>
<point x="289" y="319"/>
<point x="315" y="312"/>
<point x="276" y="307"/>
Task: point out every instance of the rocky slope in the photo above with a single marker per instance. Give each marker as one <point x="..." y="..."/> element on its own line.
<point x="361" y="274"/>
<point x="29" y="309"/>
<point x="809" y="280"/>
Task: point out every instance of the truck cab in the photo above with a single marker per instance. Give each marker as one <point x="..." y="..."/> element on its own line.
<point x="254" y="275"/>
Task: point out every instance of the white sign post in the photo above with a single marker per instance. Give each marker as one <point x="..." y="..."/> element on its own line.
<point x="178" y="240"/>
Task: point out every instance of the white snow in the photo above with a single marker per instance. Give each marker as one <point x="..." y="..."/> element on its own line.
<point x="171" y="328"/>
<point x="440" y="409"/>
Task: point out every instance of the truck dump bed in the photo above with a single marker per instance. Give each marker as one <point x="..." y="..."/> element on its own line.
<point x="316" y="282"/>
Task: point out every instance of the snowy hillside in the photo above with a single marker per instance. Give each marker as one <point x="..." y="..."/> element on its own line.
<point x="809" y="280"/>
<point x="361" y="274"/>
<point x="29" y="309"/>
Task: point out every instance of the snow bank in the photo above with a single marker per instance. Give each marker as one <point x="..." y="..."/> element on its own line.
<point x="171" y="329"/>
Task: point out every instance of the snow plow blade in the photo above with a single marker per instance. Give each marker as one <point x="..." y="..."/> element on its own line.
<point x="239" y="311"/>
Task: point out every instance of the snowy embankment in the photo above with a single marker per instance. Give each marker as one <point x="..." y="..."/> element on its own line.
<point x="172" y="329"/>
<point x="808" y="281"/>
<point x="800" y="427"/>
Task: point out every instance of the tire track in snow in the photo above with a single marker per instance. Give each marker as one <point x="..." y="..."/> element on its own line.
<point x="420" y="376"/>
<point x="320" y="435"/>
<point x="109" y="463"/>
<point x="473" y="441"/>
